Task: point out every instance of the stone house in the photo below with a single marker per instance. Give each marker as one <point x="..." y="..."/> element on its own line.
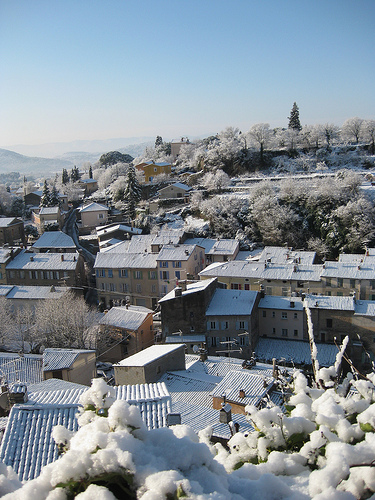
<point x="12" y="231"/>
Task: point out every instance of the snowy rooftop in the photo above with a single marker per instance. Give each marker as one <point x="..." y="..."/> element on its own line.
<point x="296" y="351"/>
<point x="94" y="207"/>
<point x="360" y="271"/>
<point x="5" y="289"/>
<point x="100" y="230"/>
<point x="365" y="308"/>
<point x="183" y="386"/>
<point x="56" y="261"/>
<point x="27" y="445"/>
<point x="179" y="185"/>
<point x="282" y="255"/>
<point x="55" y="391"/>
<point x="130" y="318"/>
<point x="215" y="247"/>
<point x="114" y="260"/>
<point x="54" y="239"/>
<point x="330" y="302"/>
<point x="60" y="359"/>
<point x="177" y="339"/>
<point x="278" y="302"/>
<point x="7" y="221"/>
<point x="254" y="386"/>
<point x="49" y="210"/>
<point x="4" y="255"/>
<point x="191" y="288"/>
<point x="26" y="368"/>
<point x="176" y="252"/>
<point x="36" y="292"/>
<point x="231" y="303"/>
<point x="149" y="355"/>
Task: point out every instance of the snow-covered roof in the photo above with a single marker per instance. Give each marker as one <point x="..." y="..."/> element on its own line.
<point x="185" y="387"/>
<point x="296" y="351"/>
<point x="8" y="221"/>
<point x="129" y="318"/>
<point x="4" y="255"/>
<point x="54" y="239"/>
<point x="114" y="260"/>
<point x="178" y="185"/>
<point x="231" y="303"/>
<point x="19" y="292"/>
<point x="283" y="255"/>
<point x="60" y="359"/>
<point x="330" y="302"/>
<point x="259" y="270"/>
<point x="5" y="289"/>
<point x="360" y="271"/>
<point x="49" y="210"/>
<point x="149" y="355"/>
<point x="191" y="288"/>
<point x="188" y="338"/>
<point x="176" y="252"/>
<point x="94" y="207"/>
<point x="26" y="368"/>
<point x="254" y="386"/>
<point x="215" y="247"/>
<point x="100" y="230"/>
<point x="27" y="445"/>
<point x="56" y="261"/>
<point x="55" y="391"/>
<point x="351" y="258"/>
<point x="365" y="308"/>
<point x="278" y="302"/>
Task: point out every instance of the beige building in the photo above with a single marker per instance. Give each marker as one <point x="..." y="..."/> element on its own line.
<point x="282" y="317"/>
<point x="176" y="190"/>
<point x="125" y="331"/>
<point x="46" y="216"/>
<point x="178" y="262"/>
<point x="177" y="145"/>
<point x="216" y="250"/>
<point x="149" y="365"/>
<point x="72" y="365"/>
<point x="93" y="215"/>
<point x="127" y="278"/>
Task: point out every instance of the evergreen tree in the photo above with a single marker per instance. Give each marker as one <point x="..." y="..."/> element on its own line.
<point x="294" y="122"/>
<point x="54" y="197"/>
<point x="132" y="193"/>
<point x="65" y="176"/>
<point x="45" y="200"/>
<point x="90" y="172"/>
<point x="158" y="141"/>
<point x="75" y="175"/>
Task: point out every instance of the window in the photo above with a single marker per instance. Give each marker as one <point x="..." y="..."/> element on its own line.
<point x="247" y="286"/>
<point x="22" y="275"/>
<point x="284" y="315"/>
<point x="138" y="288"/>
<point x="295" y="333"/>
<point x="138" y="275"/>
<point x="124" y="287"/>
<point x="178" y="263"/>
<point x="110" y="273"/>
<point x="273" y="330"/>
<point x="328" y="282"/>
<point x="1" y="275"/>
<point x="224" y="325"/>
<point x="242" y="325"/>
<point x="284" y="292"/>
<point x="300" y="284"/>
<point x="329" y="323"/>
<point x="153" y="275"/>
<point x="33" y="275"/>
<point x="372" y="284"/>
<point x="100" y="273"/>
<point x="112" y="287"/>
<point x="284" y="332"/>
<point x="213" y="341"/>
<point x="235" y="286"/>
<point x="212" y="325"/>
<point x="123" y="273"/>
<point x="178" y="274"/>
<point x="103" y="286"/>
<point x="273" y="314"/>
<point x="56" y="275"/>
<point x="264" y="314"/>
<point x="295" y="315"/>
<point x="12" y="274"/>
<point x="164" y="275"/>
<point x="268" y="290"/>
<point x="153" y="288"/>
<point x="340" y="282"/>
<point x="352" y="283"/>
<point x="164" y="289"/>
<point x="163" y="263"/>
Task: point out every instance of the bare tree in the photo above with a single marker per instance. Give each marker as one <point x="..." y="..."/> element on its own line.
<point x="352" y="129"/>
<point x="330" y="132"/>
<point x="261" y="135"/>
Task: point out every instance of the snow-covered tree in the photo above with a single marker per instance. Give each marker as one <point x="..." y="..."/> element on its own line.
<point x="261" y="135"/>
<point x="45" y="200"/>
<point x="132" y="193"/>
<point x="54" y="197"/>
<point x="294" y="121"/>
<point x="369" y="133"/>
<point x="352" y="129"/>
<point x="216" y="181"/>
<point x="64" y="176"/>
<point x="331" y="132"/>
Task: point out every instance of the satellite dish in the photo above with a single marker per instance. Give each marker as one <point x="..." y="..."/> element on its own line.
<point x="195" y="349"/>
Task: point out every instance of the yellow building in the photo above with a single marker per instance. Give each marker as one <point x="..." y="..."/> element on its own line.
<point x="151" y="169"/>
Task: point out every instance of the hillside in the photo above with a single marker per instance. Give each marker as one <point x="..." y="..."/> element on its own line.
<point x="11" y="161"/>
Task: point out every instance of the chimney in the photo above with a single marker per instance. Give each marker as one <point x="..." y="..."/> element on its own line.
<point x="275" y="370"/>
<point x="292" y="304"/>
<point x="62" y="257"/>
<point x="242" y="393"/>
<point x="178" y="291"/>
<point x="18" y="394"/>
<point x="31" y="258"/>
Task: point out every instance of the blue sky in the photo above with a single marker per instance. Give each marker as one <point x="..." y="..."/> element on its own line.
<point x="88" y="69"/>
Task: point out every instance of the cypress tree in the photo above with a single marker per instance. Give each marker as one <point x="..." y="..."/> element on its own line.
<point x="45" y="200"/>
<point x="294" y="122"/>
<point x="65" y="176"/>
<point x="132" y="193"/>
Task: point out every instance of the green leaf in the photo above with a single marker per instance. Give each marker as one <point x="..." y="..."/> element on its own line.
<point x="366" y="427"/>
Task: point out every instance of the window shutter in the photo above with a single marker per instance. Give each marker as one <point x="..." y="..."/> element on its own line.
<point x="208" y="341"/>
<point x="208" y="325"/>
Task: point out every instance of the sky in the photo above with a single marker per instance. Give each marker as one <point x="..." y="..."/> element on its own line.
<point x="93" y="70"/>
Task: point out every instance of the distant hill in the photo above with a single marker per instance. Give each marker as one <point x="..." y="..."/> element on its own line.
<point x="11" y="161"/>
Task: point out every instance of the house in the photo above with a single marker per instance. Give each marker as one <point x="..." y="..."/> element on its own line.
<point x="286" y="255"/>
<point x="177" y="190"/>
<point x="219" y="250"/>
<point x="54" y="241"/>
<point x="47" y="216"/>
<point x="115" y="233"/>
<point x="93" y="215"/>
<point x="184" y="308"/>
<point x="71" y="365"/>
<point x="11" y="231"/>
<point x="232" y="323"/>
<point x="129" y="329"/>
<point x="176" y="146"/>
<point x="46" y="269"/>
<point x="282" y="317"/>
<point x="6" y="255"/>
<point x="33" y="199"/>
<point x="151" y="169"/>
<point x="89" y="185"/>
<point x="23" y="296"/>
<point x="149" y="365"/>
<point x="127" y="278"/>
<point x="178" y="262"/>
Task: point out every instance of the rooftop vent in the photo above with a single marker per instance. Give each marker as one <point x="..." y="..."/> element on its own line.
<point x="242" y="393"/>
<point x="173" y="419"/>
<point x="31" y="258"/>
<point x="292" y="303"/>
